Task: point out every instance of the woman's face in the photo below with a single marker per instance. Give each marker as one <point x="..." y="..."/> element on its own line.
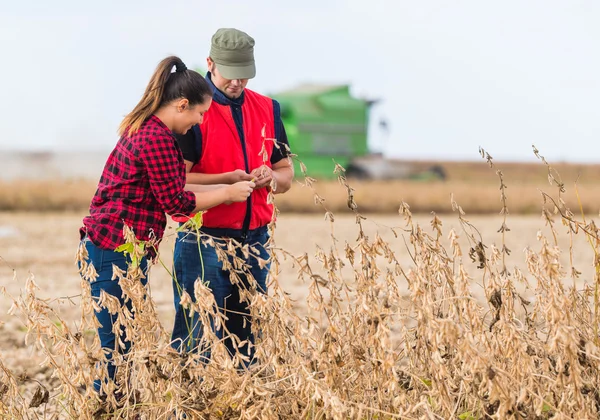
<point x="189" y="115"/>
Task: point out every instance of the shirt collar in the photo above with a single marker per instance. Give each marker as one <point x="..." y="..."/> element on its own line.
<point x="160" y="123"/>
<point x="220" y="97"/>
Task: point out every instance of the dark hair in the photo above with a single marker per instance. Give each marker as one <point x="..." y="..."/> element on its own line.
<point x="164" y="87"/>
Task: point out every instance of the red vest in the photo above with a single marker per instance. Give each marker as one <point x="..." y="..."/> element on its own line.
<point x="223" y="151"/>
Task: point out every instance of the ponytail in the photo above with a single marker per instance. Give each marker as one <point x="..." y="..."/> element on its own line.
<point x="164" y="87"/>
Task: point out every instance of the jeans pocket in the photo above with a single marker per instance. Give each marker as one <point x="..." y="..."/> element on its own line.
<point x="95" y="256"/>
<point x="188" y="237"/>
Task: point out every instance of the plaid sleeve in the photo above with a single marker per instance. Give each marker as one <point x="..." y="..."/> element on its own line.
<point x="166" y="172"/>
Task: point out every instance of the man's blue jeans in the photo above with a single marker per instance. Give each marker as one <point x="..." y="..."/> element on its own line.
<point x="200" y="262"/>
<point x="103" y="261"/>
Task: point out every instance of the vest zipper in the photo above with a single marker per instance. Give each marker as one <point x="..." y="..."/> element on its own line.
<point x="240" y="129"/>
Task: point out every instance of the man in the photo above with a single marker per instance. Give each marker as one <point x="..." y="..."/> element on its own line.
<point x="242" y="138"/>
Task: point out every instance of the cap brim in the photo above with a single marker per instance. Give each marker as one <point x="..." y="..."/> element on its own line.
<point x="237" y="72"/>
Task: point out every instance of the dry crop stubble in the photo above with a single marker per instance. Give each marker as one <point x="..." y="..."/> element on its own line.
<point x="529" y="350"/>
<point x="473" y="185"/>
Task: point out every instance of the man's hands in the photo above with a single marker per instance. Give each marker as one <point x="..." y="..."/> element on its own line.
<point x="262" y="176"/>
<point x="238" y="175"/>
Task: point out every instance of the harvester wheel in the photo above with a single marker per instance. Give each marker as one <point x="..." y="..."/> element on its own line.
<point x="356" y="172"/>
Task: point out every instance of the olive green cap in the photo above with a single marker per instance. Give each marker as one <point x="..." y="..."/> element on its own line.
<point x="233" y="52"/>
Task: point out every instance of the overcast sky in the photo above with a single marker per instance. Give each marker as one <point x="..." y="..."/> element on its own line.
<point x="452" y="75"/>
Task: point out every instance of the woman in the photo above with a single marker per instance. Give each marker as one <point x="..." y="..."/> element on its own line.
<point x="144" y="178"/>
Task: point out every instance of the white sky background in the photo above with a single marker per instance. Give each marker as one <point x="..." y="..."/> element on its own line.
<point x="453" y="75"/>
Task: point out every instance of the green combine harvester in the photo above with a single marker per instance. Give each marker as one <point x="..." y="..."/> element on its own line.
<point x="324" y="123"/>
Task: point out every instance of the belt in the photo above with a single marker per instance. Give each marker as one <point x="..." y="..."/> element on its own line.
<point x="229" y="233"/>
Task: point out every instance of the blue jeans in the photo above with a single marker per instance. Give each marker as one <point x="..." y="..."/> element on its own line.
<point x="200" y="262"/>
<point x="103" y="261"/>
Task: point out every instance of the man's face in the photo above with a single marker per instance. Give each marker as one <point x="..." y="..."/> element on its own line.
<point x="231" y="88"/>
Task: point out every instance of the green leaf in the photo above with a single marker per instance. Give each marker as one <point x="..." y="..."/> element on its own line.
<point x="427" y="382"/>
<point x="193" y="223"/>
<point x="127" y="247"/>
<point x="467" y="415"/>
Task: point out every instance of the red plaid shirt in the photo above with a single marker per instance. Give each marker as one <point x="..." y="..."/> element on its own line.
<point x="142" y="180"/>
